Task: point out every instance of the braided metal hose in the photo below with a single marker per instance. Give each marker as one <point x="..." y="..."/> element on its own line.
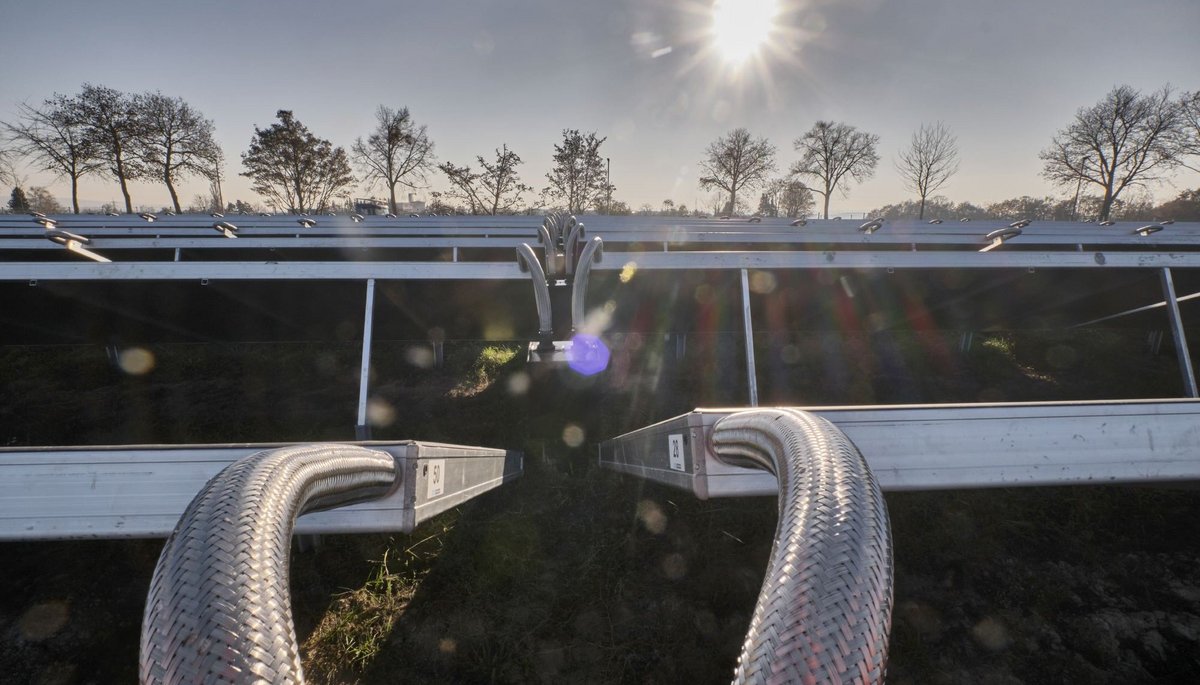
<point x="219" y="609"/>
<point x="825" y="607"/>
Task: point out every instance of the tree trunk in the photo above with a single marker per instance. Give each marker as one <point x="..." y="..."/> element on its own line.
<point x="125" y="192"/>
<point x="1106" y="206"/>
<point x="75" y="193"/>
<point x="171" y="190"/>
<point x="732" y="202"/>
<point x="392" y="198"/>
<point x="921" y="212"/>
<point x="826" y="215"/>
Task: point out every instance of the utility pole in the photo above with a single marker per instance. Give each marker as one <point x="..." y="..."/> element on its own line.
<point x="608" y="185"/>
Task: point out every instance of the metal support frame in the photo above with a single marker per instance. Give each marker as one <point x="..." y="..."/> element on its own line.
<point x="112" y="492"/>
<point x="751" y="369"/>
<point x="937" y="447"/>
<point x="1181" y="346"/>
<point x="362" y="431"/>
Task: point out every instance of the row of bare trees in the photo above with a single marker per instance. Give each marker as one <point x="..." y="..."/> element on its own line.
<point x="1128" y="139"/>
<point x="124" y="136"/>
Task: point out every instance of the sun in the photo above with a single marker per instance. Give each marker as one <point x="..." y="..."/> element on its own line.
<point x="741" y="27"/>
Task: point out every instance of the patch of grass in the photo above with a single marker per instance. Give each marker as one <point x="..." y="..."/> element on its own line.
<point x="357" y="625"/>
<point x="485" y="369"/>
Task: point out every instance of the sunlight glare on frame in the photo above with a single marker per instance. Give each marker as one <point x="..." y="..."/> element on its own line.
<point x="741" y="27"/>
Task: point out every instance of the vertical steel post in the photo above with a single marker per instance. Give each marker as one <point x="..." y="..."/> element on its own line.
<point x="751" y="372"/>
<point x="361" y="430"/>
<point x="1181" y="346"/>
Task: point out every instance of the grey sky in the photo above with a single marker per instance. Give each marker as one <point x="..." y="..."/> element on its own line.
<point x="1003" y="74"/>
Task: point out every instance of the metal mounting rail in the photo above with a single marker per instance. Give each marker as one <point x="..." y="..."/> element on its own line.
<point x="933" y="447"/>
<point x="140" y="491"/>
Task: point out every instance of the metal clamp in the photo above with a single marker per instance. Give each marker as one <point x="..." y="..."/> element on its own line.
<point x="226" y="229"/>
<point x="1107" y="222"/>
<point x="356" y="217"/>
<point x="1000" y="235"/>
<point x="74" y="243"/>
<point x="150" y="218"/>
<point x="756" y="219"/>
<point x="871" y="226"/>
<point x="935" y="221"/>
<point x="307" y="223"/>
<point x="217" y="215"/>
<point x="1147" y="230"/>
<point x="1022" y="223"/>
<point x="799" y="222"/>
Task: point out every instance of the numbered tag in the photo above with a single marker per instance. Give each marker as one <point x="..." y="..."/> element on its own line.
<point x="675" y="451"/>
<point x="435" y="478"/>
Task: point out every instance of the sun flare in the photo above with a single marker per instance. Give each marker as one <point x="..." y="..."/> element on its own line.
<point x="741" y="27"/>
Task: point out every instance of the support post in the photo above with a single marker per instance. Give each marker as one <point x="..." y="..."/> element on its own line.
<point x="361" y="430"/>
<point x="751" y="372"/>
<point x="1181" y="346"/>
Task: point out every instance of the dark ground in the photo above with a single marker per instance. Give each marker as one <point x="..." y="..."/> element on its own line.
<point x="573" y="574"/>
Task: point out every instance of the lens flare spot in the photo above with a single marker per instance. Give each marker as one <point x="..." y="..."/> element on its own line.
<point x="518" y="383"/>
<point x="628" y="271"/>
<point x="652" y="517"/>
<point x="762" y="282"/>
<point x="136" y="361"/>
<point x="380" y="413"/>
<point x="588" y="355"/>
<point x="420" y="357"/>
<point x="573" y="435"/>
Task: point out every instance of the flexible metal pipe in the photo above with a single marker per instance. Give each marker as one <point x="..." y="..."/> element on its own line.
<point x="824" y="611"/>
<point x="219" y="609"/>
<point x="578" y="232"/>
<point x="592" y="252"/>
<point x="528" y="261"/>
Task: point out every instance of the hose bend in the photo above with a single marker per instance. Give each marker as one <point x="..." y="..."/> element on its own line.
<point x="824" y="610"/>
<point x="219" y="609"/>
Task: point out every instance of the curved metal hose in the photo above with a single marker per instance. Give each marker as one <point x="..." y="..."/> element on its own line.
<point x="825" y="607"/>
<point x="219" y="609"/>
<point x="528" y="261"/>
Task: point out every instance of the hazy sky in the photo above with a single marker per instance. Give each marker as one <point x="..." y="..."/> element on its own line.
<point x="1003" y="74"/>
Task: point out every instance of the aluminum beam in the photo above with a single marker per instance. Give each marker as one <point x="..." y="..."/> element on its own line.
<point x="933" y="447"/>
<point x="259" y="271"/>
<point x="131" y="492"/>
<point x="1181" y="345"/>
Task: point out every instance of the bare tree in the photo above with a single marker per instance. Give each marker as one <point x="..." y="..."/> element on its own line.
<point x="736" y="161"/>
<point x="791" y="197"/>
<point x="40" y="200"/>
<point x="930" y="161"/>
<point x="578" y="179"/>
<point x="1190" y="111"/>
<point x="494" y="189"/>
<point x="176" y="141"/>
<point x="8" y="169"/>
<point x="1126" y="139"/>
<point x="397" y="150"/>
<point x="834" y="153"/>
<point x="54" y="138"/>
<point x="294" y="169"/>
<point x="113" y="126"/>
